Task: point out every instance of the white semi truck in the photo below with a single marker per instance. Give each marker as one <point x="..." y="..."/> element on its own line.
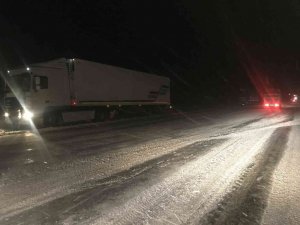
<point x="45" y="91"/>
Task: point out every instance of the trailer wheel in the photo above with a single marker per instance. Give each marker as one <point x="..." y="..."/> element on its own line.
<point x="100" y="115"/>
<point x="113" y="114"/>
<point x="47" y="119"/>
<point x="53" y="119"/>
<point x="59" y="118"/>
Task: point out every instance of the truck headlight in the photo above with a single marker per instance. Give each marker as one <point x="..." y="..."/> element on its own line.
<point x="6" y="114"/>
<point x="27" y="115"/>
<point x="19" y="114"/>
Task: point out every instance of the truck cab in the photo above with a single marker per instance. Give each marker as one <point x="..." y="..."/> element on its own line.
<point x="17" y="93"/>
<point x="33" y="93"/>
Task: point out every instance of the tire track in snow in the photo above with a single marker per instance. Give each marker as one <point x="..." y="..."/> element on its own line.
<point x="189" y="190"/>
<point x="99" y="191"/>
<point x="246" y="203"/>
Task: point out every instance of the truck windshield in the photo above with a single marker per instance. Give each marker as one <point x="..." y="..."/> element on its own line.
<point x="20" y="82"/>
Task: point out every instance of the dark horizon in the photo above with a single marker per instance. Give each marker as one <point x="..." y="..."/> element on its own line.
<point x="203" y="47"/>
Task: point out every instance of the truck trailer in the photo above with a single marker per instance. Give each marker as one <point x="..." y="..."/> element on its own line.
<point x="45" y="91"/>
<point x="272" y="98"/>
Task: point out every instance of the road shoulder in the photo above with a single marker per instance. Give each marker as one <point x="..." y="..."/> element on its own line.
<point x="283" y="204"/>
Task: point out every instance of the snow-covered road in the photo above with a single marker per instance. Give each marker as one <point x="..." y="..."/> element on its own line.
<point x="213" y="167"/>
<point x="284" y="199"/>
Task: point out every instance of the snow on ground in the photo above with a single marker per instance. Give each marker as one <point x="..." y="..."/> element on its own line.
<point x="284" y="199"/>
<point x="42" y="173"/>
<point x="59" y="179"/>
<point x="197" y="186"/>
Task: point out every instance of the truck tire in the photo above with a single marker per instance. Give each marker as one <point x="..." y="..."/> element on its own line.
<point x="100" y="115"/>
<point x="113" y="114"/>
<point x="59" y="118"/>
<point x="49" y="119"/>
<point x="15" y="124"/>
<point x="53" y="119"/>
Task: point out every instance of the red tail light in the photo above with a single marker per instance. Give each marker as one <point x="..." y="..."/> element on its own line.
<point x="73" y="102"/>
<point x="267" y="104"/>
<point x="276" y="105"/>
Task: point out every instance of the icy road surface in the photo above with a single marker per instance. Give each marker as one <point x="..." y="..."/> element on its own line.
<point x="222" y="167"/>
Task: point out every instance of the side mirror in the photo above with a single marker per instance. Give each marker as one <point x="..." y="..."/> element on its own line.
<point x="37" y="83"/>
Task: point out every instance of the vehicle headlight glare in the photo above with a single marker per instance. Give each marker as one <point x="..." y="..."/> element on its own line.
<point x="19" y="114"/>
<point x="6" y="114"/>
<point x="27" y="115"/>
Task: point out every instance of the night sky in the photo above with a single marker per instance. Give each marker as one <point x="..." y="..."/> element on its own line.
<point x="208" y="48"/>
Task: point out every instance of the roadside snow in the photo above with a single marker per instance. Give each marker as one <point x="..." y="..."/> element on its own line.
<point x="283" y="206"/>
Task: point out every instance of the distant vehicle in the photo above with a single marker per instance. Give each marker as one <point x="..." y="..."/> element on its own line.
<point x="294" y="99"/>
<point x="272" y="98"/>
<point x="47" y="90"/>
<point x="254" y="99"/>
<point x="248" y="97"/>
